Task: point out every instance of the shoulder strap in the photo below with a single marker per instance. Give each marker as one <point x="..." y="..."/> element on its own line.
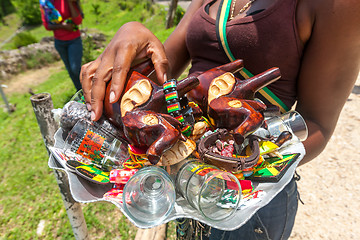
<point x="221" y="20"/>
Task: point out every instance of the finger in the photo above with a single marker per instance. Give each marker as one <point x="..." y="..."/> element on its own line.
<point x="99" y="80"/>
<point x="157" y="54"/>
<point x="97" y="98"/>
<point x="86" y="75"/>
<point x="121" y="67"/>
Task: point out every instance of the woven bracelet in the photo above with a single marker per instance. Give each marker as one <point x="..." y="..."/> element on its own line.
<point x="178" y="107"/>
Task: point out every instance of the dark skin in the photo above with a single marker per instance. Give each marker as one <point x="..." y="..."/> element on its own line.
<point x="327" y="28"/>
<point x="64" y="25"/>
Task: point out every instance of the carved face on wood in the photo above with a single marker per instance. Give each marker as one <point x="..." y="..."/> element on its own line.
<point x="239" y="115"/>
<point x="200" y="94"/>
<point x="136" y="96"/>
<point x="221" y="86"/>
<point x="220" y="81"/>
<point x="152" y="131"/>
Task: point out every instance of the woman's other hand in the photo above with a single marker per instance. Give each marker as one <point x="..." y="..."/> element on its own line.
<point x="132" y="42"/>
<point x="67" y="26"/>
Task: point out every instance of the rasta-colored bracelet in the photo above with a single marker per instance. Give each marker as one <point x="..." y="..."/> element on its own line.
<point x="178" y="107"/>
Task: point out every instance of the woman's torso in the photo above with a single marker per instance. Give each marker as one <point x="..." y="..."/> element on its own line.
<point x="63" y="7"/>
<point x="268" y="38"/>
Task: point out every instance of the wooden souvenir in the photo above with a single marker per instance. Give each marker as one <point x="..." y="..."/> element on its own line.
<point x="178" y="152"/>
<point x="221" y="81"/>
<point x="240" y="115"/>
<point x="199" y="94"/>
<point x="199" y="130"/>
<point x="152" y="131"/>
<point x="142" y="93"/>
<point x="246" y="89"/>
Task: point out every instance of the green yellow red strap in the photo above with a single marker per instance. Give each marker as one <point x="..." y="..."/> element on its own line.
<point x="221" y="20"/>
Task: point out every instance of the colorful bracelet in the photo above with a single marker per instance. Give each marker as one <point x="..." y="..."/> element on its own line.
<point x="178" y="107"/>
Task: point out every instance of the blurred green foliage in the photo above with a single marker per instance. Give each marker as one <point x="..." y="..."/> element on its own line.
<point x="28" y="10"/>
<point x="6" y="8"/>
<point x="23" y="39"/>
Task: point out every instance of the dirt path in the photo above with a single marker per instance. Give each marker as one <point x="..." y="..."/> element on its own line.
<point x="330" y="184"/>
<point x="22" y="82"/>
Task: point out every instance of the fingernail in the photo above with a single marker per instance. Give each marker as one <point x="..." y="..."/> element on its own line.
<point x="88" y="106"/>
<point x="92" y="115"/>
<point x="165" y="77"/>
<point x="112" y="97"/>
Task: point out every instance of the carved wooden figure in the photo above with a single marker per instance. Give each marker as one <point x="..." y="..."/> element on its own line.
<point x="221" y="81"/>
<point x="242" y="116"/>
<point x="199" y="94"/>
<point x="142" y="93"/>
<point x="152" y="131"/>
<point x="246" y="89"/>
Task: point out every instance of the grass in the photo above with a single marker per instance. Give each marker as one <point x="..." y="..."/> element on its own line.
<point x="29" y="193"/>
<point x="110" y="19"/>
<point x="12" y="23"/>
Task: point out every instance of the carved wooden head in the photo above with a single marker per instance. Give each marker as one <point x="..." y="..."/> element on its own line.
<point x="239" y="115"/>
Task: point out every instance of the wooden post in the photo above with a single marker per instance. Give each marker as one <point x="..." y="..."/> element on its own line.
<point x="171" y="13"/>
<point x="5" y="100"/>
<point x="42" y="106"/>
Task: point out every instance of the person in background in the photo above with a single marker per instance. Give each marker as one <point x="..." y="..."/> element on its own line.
<point x="315" y="43"/>
<point x="66" y="31"/>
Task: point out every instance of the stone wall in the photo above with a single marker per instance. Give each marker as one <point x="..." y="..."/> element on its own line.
<point x="14" y="61"/>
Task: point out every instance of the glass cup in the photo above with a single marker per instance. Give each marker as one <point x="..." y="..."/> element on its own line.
<point x="291" y="121"/>
<point x="185" y="172"/>
<point x="214" y="193"/>
<point x="92" y="142"/>
<point x="78" y="97"/>
<point x="116" y="155"/>
<point x="149" y="196"/>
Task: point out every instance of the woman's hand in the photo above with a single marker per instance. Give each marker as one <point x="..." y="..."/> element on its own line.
<point x="67" y="26"/>
<point x="133" y="41"/>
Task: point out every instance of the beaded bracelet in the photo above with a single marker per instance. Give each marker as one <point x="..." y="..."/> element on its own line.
<point x="178" y="107"/>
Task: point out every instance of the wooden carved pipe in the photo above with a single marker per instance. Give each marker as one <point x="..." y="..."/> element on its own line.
<point x="230" y="86"/>
<point x="239" y="115"/>
<point x="283" y="137"/>
<point x="199" y="94"/>
<point x="246" y="89"/>
<point x="144" y="68"/>
<point x="142" y="93"/>
<point x="152" y="131"/>
<point x="226" y="84"/>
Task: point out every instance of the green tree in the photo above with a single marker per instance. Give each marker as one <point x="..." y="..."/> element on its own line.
<point x="5" y="8"/>
<point x="96" y="11"/>
<point x="28" y="10"/>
